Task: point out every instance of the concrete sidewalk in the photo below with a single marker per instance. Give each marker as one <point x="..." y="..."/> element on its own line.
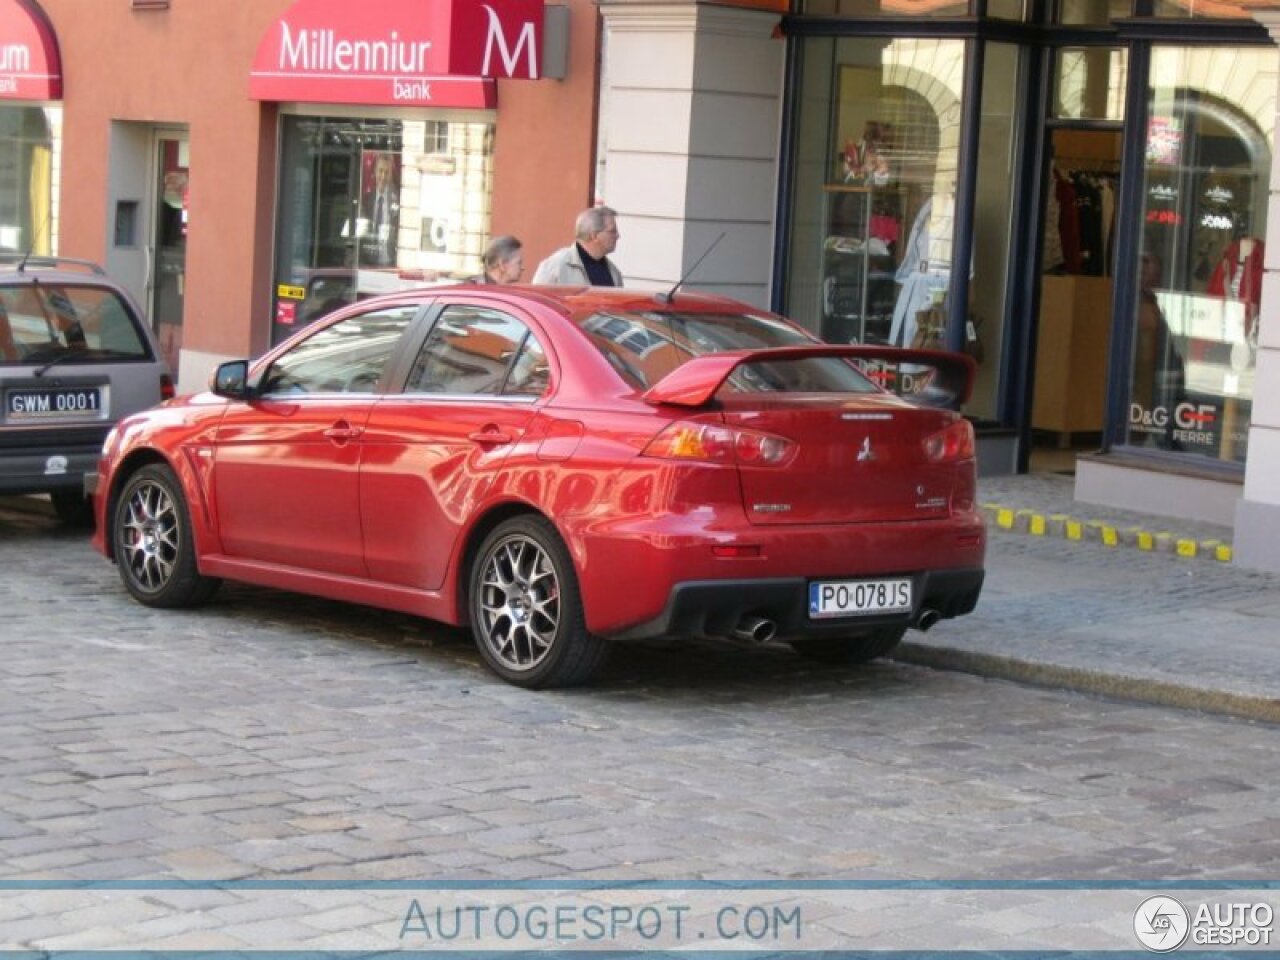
<point x="1172" y="621"/>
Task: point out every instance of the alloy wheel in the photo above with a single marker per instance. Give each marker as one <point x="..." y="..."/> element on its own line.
<point x="519" y="602"/>
<point x="150" y="536"/>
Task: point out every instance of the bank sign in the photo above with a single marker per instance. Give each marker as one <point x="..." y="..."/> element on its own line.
<point x="433" y="53"/>
<point x="30" y="67"/>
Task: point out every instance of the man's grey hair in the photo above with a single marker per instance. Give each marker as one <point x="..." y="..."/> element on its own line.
<point x="500" y="250"/>
<point x="592" y="220"/>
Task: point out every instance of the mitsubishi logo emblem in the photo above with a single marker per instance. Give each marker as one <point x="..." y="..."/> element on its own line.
<point x="864" y="451"/>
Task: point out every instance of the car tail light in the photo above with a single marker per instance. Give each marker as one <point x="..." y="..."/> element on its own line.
<point x="712" y="443"/>
<point x="167" y="392"/>
<point x="953" y="443"/>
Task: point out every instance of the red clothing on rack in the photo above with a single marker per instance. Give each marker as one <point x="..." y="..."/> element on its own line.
<point x="1238" y="276"/>
<point x="1068" y="222"/>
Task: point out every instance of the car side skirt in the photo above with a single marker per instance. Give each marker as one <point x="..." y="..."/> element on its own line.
<point x="432" y="604"/>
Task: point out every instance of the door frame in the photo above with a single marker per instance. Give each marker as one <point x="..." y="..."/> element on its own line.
<point x="132" y="209"/>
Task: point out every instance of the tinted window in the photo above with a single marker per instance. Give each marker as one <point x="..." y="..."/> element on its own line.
<point x="43" y="322"/>
<point x="348" y="357"/>
<point x="646" y="346"/>
<point x="473" y="350"/>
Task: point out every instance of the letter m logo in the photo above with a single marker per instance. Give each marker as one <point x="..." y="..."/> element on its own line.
<point x="496" y="38"/>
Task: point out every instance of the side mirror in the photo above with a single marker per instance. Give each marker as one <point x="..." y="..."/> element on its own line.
<point x="231" y="380"/>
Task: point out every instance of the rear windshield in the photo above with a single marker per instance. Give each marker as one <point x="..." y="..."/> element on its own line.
<point x="644" y="346"/>
<point x="43" y="322"/>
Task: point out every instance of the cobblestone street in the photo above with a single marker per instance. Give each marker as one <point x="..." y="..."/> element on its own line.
<point x="271" y="735"/>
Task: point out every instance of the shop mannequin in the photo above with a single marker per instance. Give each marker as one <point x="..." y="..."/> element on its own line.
<point x="925" y="269"/>
<point x="1238" y="277"/>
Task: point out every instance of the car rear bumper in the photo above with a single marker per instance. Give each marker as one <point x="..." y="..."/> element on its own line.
<point x="44" y="471"/>
<point x="718" y="608"/>
<point x="632" y="572"/>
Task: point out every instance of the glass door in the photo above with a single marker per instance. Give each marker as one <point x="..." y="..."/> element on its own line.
<point x="169" y="244"/>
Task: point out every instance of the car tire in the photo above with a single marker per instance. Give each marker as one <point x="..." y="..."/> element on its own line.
<point x="526" y="608"/>
<point x="849" y="651"/>
<point x="72" y="508"/>
<point x="152" y="542"/>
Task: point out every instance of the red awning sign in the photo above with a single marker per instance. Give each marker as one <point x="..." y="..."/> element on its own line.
<point x="30" y="67"/>
<point x="397" y="52"/>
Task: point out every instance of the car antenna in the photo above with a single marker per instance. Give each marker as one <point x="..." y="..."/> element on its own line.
<point x="22" y="264"/>
<point x="671" y="294"/>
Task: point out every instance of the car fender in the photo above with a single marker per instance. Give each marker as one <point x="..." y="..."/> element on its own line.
<point x="190" y="458"/>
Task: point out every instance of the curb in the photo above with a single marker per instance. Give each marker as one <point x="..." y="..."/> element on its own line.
<point x="1061" y="525"/>
<point x="1159" y="693"/>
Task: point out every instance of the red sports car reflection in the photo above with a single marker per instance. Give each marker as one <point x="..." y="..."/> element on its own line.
<point x="562" y="469"/>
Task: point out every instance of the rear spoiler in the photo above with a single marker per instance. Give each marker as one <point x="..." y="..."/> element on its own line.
<point x="935" y="378"/>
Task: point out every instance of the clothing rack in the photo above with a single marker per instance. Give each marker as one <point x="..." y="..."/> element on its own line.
<point x="1082" y="205"/>
<point x="1086" y="165"/>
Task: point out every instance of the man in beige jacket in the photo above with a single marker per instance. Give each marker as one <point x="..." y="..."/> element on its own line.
<point x="586" y="260"/>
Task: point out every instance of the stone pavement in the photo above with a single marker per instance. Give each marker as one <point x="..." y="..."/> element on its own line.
<point x="1160" y="626"/>
<point x="1168" y="625"/>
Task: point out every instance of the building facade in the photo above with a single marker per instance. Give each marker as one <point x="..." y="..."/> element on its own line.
<point x="244" y="167"/>
<point x="1076" y="193"/>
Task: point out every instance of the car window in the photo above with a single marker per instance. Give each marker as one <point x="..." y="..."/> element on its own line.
<point x="644" y="346"/>
<point x="350" y="356"/>
<point x="530" y="375"/>
<point x="43" y="322"/>
<point x="471" y="350"/>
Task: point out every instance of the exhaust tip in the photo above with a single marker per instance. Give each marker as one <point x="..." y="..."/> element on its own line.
<point x="755" y="630"/>
<point x="927" y="619"/>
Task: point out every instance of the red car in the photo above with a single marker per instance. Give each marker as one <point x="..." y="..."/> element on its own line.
<point x="563" y="468"/>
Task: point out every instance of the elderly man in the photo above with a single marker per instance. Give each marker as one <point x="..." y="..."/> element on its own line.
<point x="586" y="260"/>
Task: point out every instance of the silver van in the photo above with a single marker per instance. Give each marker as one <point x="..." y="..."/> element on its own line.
<point x="75" y="357"/>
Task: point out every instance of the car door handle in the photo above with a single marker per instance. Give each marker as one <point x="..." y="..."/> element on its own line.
<point x="491" y="437"/>
<point x="343" y="431"/>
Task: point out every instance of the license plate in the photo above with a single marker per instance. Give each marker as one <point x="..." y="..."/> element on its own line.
<point x="854" y="598"/>
<point x="54" y="403"/>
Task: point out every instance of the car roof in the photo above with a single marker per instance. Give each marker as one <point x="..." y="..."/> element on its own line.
<point x="17" y="270"/>
<point x="579" y="300"/>
<point x="576" y="302"/>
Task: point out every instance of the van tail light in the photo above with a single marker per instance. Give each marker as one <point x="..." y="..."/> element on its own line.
<point x="953" y="443"/>
<point x="167" y="391"/>
<point x="713" y="443"/>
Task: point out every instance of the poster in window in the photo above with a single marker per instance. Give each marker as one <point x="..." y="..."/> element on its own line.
<point x="379" y="207"/>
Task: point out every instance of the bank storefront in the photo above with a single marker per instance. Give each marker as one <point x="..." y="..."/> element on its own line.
<point x="1075" y="194"/>
<point x="386" y="144"/>
<point x="30" y="130"/>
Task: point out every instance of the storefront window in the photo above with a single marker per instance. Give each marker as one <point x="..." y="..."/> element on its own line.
<point x="1218" y="9"/>
<point x="371" y="205"/>
<point x="29" y="158"/>
<point x="1092" y="12"/>
<point x="884" y="8"/>
<point x="1210" y="133"/>
<point x="1089" y="83"/>
<point x="993" y="225"/>
<point x="1006" y="9"/>
<point x="876" y="163"/>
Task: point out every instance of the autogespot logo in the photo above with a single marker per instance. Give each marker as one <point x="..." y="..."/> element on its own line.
<point x="1161" y="924"/>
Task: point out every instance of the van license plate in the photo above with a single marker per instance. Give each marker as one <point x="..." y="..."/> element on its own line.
<point x="54" y="403"/>
<point x="853" y="598"/>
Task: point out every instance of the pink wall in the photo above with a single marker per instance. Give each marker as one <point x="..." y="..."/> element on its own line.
<point x="189" y="65"/>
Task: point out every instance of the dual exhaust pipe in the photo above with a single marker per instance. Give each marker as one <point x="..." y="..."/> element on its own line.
<point x="755" y="630"/>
